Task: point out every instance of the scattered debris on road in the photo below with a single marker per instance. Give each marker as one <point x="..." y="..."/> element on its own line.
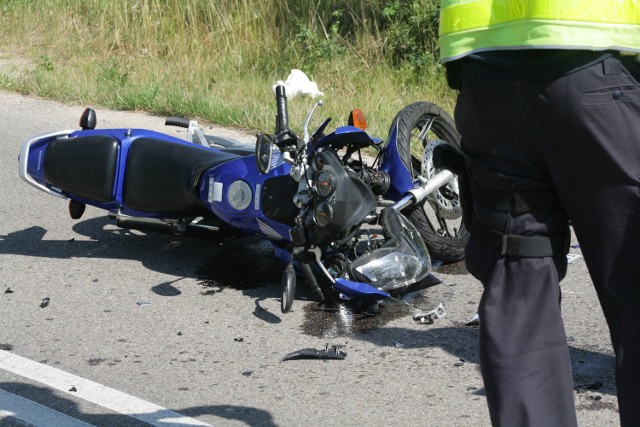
<point x="329" y="352"/>
<point x="474" y="321"/>
<point x="428" y="317"/>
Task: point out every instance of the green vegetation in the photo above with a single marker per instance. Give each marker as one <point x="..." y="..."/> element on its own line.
<point x="218" y="59"/>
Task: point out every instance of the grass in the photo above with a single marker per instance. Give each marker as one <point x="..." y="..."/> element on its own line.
<point x="215" y="60"/>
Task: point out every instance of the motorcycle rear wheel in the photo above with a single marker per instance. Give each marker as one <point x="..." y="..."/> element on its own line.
<point x="421" y="127"/>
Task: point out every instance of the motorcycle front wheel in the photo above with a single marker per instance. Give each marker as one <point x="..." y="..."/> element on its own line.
<point x="421" y="127"/>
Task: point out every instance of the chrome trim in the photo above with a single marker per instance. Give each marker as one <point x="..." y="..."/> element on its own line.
<point x="25" y="148"/>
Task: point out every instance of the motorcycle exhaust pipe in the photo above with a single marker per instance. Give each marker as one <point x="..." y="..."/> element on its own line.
<point x="180" y="228"/>
<point x="149" y="224"/>
<point x="417" y="195"/>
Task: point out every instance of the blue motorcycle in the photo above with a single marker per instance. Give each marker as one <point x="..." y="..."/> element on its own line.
<point x="315" y="197"/>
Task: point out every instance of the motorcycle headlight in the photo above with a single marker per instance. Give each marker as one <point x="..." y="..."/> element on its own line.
<point x="323" y="214"/>
<point x="403" y="260"/>
<point x="394" y="270"/>
<point x="326" y="183"/>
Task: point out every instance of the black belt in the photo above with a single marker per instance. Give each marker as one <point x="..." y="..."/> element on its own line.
<point x="522" y="246"/>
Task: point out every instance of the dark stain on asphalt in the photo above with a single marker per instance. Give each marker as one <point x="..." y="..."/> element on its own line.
<point x="457" y="268"/>
<point x="250" y="263"/>
<point x="241" y="264"/>
<point x="342" y="319"/>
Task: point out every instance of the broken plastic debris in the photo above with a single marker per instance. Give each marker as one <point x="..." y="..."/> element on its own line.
<point x="8" y="291"/>
<point x="459" y="363"/>
<point x="428" y="317"/>
<point x="475" y="320"/>
<point x="399" y="345"/>
<point x="141" y="303"/>
<point x="45" y="302"/>
<point x="332" y="352"/>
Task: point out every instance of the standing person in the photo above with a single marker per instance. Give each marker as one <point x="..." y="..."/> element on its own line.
<point x="549" y="113"/>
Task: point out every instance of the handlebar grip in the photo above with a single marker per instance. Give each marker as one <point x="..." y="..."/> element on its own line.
<point x="282" y="117"/>
<point x="180" y="122"/>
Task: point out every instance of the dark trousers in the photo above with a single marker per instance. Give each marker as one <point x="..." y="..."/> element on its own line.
<point x="577" y="135"/>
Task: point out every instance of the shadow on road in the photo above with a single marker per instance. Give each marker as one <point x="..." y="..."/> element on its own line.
<point x="592" y="370"/>
<point x="45" y="397"/>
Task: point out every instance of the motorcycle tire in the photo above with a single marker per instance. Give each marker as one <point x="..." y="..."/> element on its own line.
<point x="421" y="126"/>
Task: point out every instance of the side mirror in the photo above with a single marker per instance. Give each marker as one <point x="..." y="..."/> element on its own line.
<point x="264" y="152"/>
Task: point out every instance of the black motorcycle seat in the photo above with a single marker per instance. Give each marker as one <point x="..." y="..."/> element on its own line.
<point x="163" y="177"/>
<point x="84" y="166"/>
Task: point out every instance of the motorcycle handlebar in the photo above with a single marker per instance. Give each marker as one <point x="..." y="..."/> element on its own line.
<point x="177" y="121"/>
<point x="282" y="117"/>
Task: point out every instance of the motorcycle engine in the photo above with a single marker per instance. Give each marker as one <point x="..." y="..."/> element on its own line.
<point x="341" y="199"/>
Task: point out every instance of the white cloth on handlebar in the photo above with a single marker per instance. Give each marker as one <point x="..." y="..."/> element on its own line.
<point x="298" y="83"/>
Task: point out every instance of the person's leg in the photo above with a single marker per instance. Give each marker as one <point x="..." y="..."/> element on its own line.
<point x="523" y="349"/>
<point x="592" y="147"/>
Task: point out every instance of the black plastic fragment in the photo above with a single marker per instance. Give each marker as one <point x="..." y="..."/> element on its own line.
<point x="333" y="353"/>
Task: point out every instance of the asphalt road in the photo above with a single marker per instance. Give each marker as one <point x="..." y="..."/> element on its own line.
<point x="142" y="329"/>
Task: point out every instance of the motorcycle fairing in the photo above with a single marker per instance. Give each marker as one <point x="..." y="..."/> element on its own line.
<point x="347" y="135"/>
<point x="393" y="164"/>
<point x="217" y="181"/>
<point x="31" y="161"/>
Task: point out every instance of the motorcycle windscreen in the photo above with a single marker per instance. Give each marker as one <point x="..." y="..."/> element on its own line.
<point x="402" y="261"/>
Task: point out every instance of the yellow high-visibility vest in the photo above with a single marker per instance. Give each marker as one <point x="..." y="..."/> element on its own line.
<point x="475" y="25"/>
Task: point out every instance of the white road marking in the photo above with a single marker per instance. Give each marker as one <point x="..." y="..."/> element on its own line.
<point x="34" y="413"/>
<point x="95" y="393"/>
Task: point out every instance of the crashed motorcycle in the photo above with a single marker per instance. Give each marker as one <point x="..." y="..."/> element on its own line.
<point x="316" y="198"/>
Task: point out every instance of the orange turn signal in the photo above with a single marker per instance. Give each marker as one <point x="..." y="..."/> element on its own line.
<point x="356" y="118"/>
